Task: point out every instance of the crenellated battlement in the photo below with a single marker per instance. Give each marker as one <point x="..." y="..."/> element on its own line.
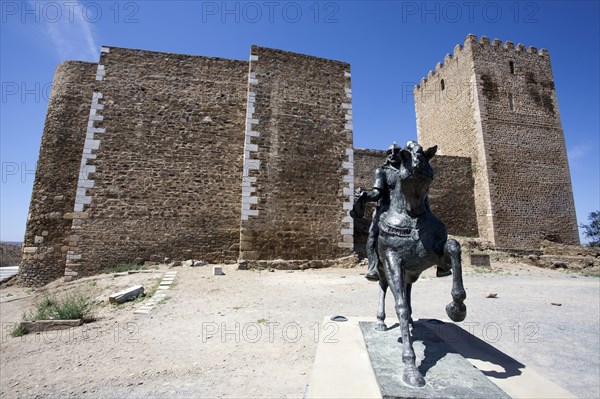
<point x="449" y="59"/>
<point x="496" y="44"/>
<point x="482" y="43"/>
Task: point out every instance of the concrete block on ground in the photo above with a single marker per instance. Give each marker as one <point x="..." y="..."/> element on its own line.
<point x="242" y="264"/>
<point x="127" y="294"/>
<point x="49" y="325"/>
<point x="480" y="260"/>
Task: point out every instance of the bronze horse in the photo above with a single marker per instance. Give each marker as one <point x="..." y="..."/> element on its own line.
<point x="410" y="240"/>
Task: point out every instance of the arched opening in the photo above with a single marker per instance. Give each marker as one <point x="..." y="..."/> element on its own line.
<point x="442" y="85"/>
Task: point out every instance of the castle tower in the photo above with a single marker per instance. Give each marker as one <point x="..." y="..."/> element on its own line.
<point x="497" y="104"/>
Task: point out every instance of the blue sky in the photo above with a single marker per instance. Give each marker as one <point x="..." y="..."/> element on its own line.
<point x="389" y="44"/>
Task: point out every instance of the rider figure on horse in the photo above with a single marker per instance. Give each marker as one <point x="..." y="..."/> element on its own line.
<point x="381" y="195"/>
<point x="385" y="177"/>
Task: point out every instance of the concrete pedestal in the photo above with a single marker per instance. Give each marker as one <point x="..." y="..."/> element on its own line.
<point x="344" y="367"/>
<point x="447" y="374"/>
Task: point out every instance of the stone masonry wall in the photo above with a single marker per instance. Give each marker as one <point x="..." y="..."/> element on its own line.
<point x="366" y="161"/>
<point x="298" y="168"/>
<point x="54" y="187"/>
<point x="530" y="184"/>
<point x="164" y="166"/>
<point x="451" y="195"/>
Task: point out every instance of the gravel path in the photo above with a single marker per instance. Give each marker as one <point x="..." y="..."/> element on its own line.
<point x="254" y="333"/>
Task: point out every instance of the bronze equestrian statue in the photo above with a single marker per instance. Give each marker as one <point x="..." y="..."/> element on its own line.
<point x="409" y="240"/>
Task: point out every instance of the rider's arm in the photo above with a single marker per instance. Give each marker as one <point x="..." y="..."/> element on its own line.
<point x="369" y="196"/>
<point x="373" y="195"/>
<point x="378" y="186"/>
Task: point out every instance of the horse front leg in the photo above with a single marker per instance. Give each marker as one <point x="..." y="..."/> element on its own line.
<point x="397" y="282"/>
<point x="456" y="310"/>
<point x="380" y="326"/>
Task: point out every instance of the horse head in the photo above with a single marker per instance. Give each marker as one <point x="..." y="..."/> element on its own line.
<point x="415" y="175"/>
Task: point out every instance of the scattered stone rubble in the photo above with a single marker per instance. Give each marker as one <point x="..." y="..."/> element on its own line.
<point x="282" y="264"/>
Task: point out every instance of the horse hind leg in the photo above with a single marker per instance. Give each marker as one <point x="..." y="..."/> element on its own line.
<point x="456" y="310"/>
<point x="380" y="326"/>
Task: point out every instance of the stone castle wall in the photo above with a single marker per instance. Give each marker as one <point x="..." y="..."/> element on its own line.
<point x="298" y="157"/>
<point x="365" y="163"/>
<point x="452" y="194"/>
<point x="180" y="156"/>
<point x="55" y="184"/>
<point x="522" y="183"/>
<point x="164" y="166"/>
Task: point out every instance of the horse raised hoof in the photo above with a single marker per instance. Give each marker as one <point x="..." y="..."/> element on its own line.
<point x="380" y="326"/>
<point x="412" y="377"/>
<point x="456" y="311"/>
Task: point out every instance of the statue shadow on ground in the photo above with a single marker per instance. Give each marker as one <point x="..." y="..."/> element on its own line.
<point x="463" y="343"/>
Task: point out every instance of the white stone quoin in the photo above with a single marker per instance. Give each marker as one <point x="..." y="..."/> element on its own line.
<point x="347" y="230"/>
<point x="249" y="197"/>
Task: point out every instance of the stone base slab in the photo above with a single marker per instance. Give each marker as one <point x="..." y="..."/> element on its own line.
<point x="342" y="367"/>
<point x="447" y="374"/>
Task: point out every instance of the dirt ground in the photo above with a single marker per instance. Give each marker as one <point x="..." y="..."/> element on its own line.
<point x="255" y="333"/>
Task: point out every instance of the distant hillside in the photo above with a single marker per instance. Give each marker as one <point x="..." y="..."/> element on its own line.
<point x="10" y="253"/>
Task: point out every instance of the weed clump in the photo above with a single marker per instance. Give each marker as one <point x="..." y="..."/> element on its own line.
<point x="19" y="330"/>
<point x="71" y="307"/>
